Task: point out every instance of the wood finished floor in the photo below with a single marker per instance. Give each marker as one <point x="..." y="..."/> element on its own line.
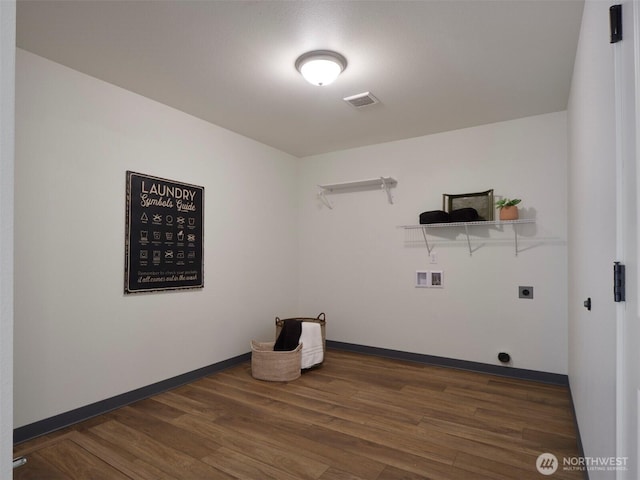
<point x="355" y="417"/>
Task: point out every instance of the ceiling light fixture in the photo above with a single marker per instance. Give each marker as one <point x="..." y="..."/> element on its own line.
<point x="321" y="67"/>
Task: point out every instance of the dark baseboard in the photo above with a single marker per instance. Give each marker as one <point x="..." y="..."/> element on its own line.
<point x="520" y="373"/>
<point x="57" y="422"/>
<point x="48" y="425"/>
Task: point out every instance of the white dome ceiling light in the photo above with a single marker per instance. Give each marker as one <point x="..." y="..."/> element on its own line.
<point x="321" y="67"/>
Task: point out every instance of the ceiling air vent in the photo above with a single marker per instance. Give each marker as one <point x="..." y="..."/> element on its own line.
<point x="361" y="100"/>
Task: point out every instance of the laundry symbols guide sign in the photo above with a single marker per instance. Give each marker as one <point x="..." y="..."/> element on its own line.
<point x="163" y="235"/>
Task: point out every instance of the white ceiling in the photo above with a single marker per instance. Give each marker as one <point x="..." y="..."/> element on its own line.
<point x="434" y="65"/>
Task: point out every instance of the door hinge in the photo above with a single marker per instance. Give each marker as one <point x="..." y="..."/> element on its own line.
<point x="618" y="282"/>
<point x="615" y="22"/>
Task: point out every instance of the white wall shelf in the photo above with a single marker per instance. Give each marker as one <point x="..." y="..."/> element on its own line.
<point x="383" y="183"/>
<point x="424" y="228"/>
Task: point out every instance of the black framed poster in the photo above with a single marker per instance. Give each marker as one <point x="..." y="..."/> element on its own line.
<point x="163" y="235"/>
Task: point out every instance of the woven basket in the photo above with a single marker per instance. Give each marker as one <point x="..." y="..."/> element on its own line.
<point x="274" y="366"/>
<point x="321" y="319"/>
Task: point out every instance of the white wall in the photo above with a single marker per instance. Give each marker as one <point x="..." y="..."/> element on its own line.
<point x="78" y="338"/>
<point x="7" y="98"/>
<point x="359" y="268"/>
<point x="592" y="235"/>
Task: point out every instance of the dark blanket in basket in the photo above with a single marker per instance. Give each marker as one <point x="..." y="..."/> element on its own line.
<point x="289" y="336"/>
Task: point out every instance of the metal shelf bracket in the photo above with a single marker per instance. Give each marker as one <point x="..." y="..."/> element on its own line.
<point x="323" y="198"/>
<point x="387" y="189"/>
<point x="426" y="241"/>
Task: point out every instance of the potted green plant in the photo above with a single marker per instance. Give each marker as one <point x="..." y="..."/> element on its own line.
<point x="508" y="208"/>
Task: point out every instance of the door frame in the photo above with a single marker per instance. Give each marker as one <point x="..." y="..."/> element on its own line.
<point x="627" y="118"/>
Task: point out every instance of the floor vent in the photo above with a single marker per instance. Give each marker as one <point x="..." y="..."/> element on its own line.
<point x="361" y="100"/>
